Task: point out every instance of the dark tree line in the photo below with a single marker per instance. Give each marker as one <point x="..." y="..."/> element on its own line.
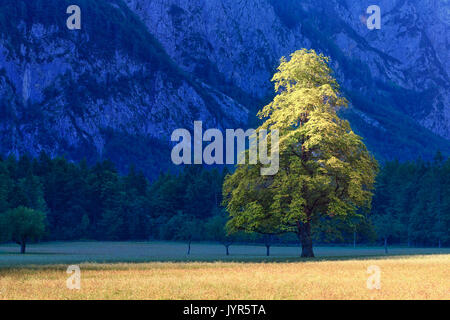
<point x="412" y="203"/>
<point x="96" y="202"/>
<point x="80" y="201"/>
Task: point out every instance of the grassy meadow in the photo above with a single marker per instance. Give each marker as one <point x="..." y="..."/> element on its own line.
<point x="161" y="270"/>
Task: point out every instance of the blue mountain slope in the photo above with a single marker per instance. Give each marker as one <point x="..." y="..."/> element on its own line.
<point x="107" y="90"/>
<point x="138" y="69"/>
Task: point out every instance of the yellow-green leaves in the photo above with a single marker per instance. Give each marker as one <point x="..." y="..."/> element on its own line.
<point x="325" y="168"/>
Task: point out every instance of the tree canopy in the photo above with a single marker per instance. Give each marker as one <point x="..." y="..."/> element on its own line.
<point x="325" y="168"/>
<point x="22" y="225"/>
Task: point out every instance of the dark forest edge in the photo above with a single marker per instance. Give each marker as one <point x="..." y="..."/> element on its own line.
<point x="54" y="199"/>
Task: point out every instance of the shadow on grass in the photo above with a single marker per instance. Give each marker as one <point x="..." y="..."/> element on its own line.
<point x="292" y="259"/>
<point x="27" y="254"/>
<point x="112" y="263"/>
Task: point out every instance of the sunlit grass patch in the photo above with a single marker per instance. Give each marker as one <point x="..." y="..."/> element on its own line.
<point x="402" y="277"/>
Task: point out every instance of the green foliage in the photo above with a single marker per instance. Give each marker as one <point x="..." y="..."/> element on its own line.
<point x="22" y="225"/>
<point x="96" y="202"/>
<point x="5" y="187"/>
<point x="182" y="227"/>
<point x="216" y="227"/>
<point x="411" y="204"/>
<point x="195" y="192"/>
<point x="84" y="201"/>
<point x="353" y="228"/>
<point x="325" y="169"/>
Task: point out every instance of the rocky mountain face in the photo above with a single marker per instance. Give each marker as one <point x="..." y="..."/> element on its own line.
<point x="138" y="69"/>
<point x="108" y="90"/>
<point x="397" y="78"/>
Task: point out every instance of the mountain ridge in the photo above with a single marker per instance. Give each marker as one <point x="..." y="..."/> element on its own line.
<point x="138" y="69"/>
<point x="373" y="77"/>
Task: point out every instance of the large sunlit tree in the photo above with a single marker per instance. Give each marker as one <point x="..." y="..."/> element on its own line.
<point x="325" y="170"/>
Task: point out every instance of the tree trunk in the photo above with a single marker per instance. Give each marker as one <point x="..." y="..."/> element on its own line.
<point x="227" y="250"/>
<point x="385" y="246"/>
<point x="306" y="240"/>
<point x="189" y="247"/>
<point x="354" y="239"/>
<point x="22" y="246"/>
<point x="268" y="242"/>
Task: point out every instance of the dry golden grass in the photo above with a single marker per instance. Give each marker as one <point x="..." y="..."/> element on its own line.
<point x="412" y="277"/>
